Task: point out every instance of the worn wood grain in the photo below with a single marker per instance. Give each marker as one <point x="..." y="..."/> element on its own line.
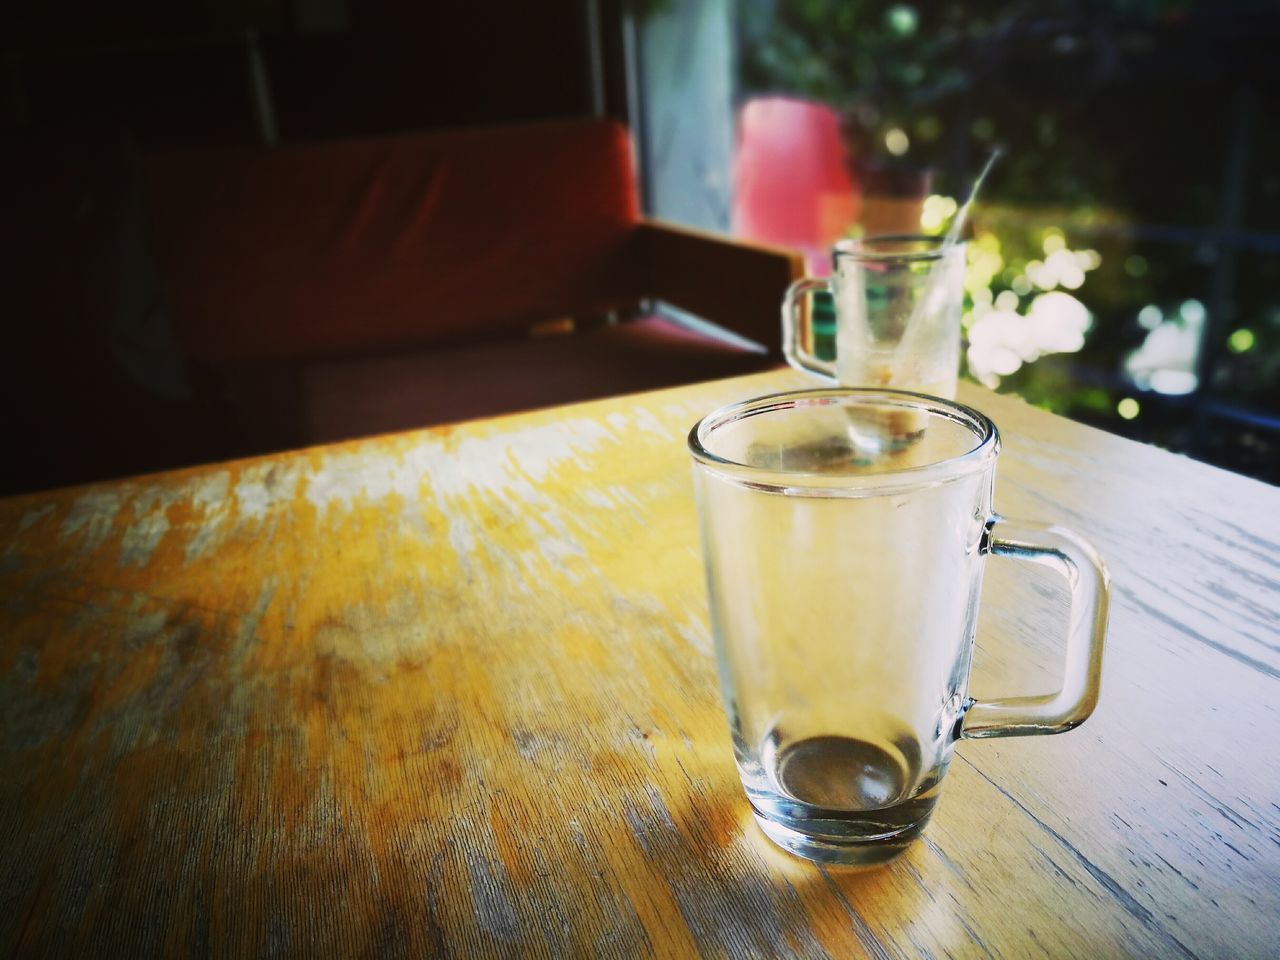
<point x="450" y="693"/>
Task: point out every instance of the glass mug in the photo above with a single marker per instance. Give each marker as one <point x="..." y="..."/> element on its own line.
<point x="898" y="302"/>
<point x="844" y="534"/>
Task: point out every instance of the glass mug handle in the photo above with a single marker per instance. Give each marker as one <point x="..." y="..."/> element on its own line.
<point x="1065" y="552"/>
<point x="792" y="323"/>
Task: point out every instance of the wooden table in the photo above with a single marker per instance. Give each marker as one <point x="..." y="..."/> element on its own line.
<point x="451" y="693"/>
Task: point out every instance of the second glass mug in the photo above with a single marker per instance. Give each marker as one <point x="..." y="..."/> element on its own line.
<point x="898" y="302"/>
<point x="845" y="533"/>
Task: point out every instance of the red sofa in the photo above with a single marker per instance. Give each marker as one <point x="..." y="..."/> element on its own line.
<point x="321" y="291"/>
<point x="382" y="284"/>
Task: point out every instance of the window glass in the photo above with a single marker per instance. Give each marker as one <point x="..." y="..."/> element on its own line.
<point x="1124" y="264"/>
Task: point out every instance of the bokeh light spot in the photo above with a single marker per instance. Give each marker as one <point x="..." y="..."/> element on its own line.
<point x="1192" y="312"/>
<point x="1175" y="383"/>
<point x="902" y="19"/>
<point x="1053" y="240"/>
<point x="928" y="128"/>
<point x="1128" y="408"/>
<point x="936" y="211"/>
<point x="1088" y="259"/>
<point x="1241" y="340"/>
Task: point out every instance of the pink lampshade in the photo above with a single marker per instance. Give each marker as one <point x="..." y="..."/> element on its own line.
<point x="792" y="185"/>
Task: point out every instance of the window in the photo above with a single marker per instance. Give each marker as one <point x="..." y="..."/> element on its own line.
<point x="1124" y="264"/>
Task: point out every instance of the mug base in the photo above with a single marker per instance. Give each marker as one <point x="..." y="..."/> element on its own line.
<point x="842" y="851"/>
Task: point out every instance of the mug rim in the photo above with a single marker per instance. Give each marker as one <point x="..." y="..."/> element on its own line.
<point x="801" y="482"/>
<point x="857" y="248"/>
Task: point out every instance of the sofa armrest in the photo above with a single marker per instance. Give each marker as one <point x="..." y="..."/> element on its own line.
<point x="733" y="283"/>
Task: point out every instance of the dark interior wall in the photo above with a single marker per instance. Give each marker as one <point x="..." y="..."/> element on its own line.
<point x="175" y="74"/>
<point x="91" y="380"/>
<point x="409" y="65"/>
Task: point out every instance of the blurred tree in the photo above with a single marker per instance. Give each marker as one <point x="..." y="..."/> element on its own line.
<point x="1133" y="126"/>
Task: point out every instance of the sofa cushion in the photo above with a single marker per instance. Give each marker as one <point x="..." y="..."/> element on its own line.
<point x="332" y="249"/>
<point x="351" y="399"/>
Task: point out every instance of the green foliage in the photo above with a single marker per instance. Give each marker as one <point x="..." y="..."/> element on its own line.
<point x="1106" y="134"/>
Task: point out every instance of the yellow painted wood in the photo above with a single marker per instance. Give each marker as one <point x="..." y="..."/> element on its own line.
<point x="451" y="693"/>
